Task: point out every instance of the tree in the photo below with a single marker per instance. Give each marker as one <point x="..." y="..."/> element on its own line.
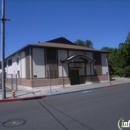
<point x="128" y="38"/>
<point x="89" y="44"/>
<point x="80" y="42"/>
<point x="120" y="57"/>
<point x="106" y="48"/>
<point x="121" y="44"/>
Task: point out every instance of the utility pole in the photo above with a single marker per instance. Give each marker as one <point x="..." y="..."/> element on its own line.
<point x="3" y="48"/>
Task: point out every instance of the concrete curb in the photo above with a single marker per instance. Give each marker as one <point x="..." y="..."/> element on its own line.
<point x="81" y="90"/>
<point x="118" y="84"/>
<point x="56" y="94"/>
<point x="75" y="91"/>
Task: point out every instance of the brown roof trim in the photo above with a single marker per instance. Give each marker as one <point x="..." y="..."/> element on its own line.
<point x="18" y="51"/>
<point x="67" y="46"/>
<point x="57" y="45"/>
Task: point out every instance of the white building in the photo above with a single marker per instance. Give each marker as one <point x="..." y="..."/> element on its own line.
<point x="68" y="64"/>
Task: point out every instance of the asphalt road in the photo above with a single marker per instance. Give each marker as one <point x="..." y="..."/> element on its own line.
<point x="94" y="110"/>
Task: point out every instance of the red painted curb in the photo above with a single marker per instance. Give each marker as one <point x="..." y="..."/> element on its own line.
<point x="22" y="99"/>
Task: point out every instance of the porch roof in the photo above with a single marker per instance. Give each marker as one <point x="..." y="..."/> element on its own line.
<point x="73" y="57"/>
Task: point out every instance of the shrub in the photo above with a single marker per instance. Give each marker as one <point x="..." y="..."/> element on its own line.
<point x="127" y="71"/>
<point x="119" y="72"/>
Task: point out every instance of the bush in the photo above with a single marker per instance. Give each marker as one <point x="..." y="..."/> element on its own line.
<point x="119" y="72"/>
<point x="127" y="71"/>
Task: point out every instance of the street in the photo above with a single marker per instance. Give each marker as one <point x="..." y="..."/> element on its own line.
<point x="90" y="110"/>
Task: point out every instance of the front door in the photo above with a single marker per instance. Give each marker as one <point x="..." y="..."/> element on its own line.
<point x="74" y="76"/>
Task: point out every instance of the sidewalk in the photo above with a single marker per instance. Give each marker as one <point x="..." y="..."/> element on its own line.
<point x="24" y="91"/>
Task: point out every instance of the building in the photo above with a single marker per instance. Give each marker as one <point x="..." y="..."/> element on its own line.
<point x="61" y="60"/>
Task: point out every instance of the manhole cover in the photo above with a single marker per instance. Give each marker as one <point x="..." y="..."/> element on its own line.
<point x="13" y="123"/>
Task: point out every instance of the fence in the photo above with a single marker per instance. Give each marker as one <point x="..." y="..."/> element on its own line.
<point x="11" y="81"/>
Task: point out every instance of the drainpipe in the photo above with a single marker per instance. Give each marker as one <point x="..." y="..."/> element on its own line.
<point x="63" y="74"/>
<point x="91" y="70"/>
<point x="108" y="70"/>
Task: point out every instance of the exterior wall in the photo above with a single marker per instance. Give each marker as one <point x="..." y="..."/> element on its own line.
<point x="62" y="54"/>
<point x="88" y="69"/>
<point x="30" y="60"/>
<point x="93" y="78"/>
<point x="44" y="82"/>
<point x="59" y="81"/>
<point x="104" y="64"/>
<point x="89" y="66"/>
<point x="38" y="63"/>
<point x="76" y="53"/>
<point x="98" y="63"/>
<point x="38" y="68"/>
<point x="28" y="63"/>
<point x="89" y="55"/>
<point x="15" y="67"/>
<point x="92" y="66"/>
<point x="22" y="65"/>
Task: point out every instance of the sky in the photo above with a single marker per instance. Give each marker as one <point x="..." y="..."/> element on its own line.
<point x="104" y="22"/>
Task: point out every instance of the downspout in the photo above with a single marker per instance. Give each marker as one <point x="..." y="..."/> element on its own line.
<point x="91" y="70"/>
<point x="108" y="70"/>
<point x="62" y="74"/>
<point x="20" y="67"/>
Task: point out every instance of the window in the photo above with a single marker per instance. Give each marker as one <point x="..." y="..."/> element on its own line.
<point x="98" y="64"/>
<point x="51" y="56"/>
<point x="9" y="62"/>
<point x="97" y="57"/>
<point x="51" y="60"/>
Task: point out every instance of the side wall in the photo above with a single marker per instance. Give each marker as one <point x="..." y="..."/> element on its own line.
<point x="63" y="68"/>
<point x="89" y="66"/>
<point x="34" y="75"/>
<point x="38" y="63"/>
<point x="18" y="65"/>
<point x="104" y="63"/>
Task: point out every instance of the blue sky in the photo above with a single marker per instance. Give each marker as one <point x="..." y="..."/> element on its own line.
<point x="104" y="22"/>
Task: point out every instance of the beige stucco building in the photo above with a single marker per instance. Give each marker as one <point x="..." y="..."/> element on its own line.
<point x="67" y="64"/>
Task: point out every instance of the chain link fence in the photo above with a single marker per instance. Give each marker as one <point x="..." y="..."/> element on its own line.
<point x="11" y="81"/>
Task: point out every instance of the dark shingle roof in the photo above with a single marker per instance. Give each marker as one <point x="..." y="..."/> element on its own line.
<point x="62" y="40"/>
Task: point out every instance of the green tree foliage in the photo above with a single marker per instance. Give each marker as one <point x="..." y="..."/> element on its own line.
<point x="120" y="57"/>
<point x="89" y="44"/>
<point x="127" y="71"/>
<point x="80" y="42"/>
<point x="86" y="43"/>
<point x="128" y="39"/>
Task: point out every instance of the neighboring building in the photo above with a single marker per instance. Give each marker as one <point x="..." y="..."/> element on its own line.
<point x="68" y="64"/>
